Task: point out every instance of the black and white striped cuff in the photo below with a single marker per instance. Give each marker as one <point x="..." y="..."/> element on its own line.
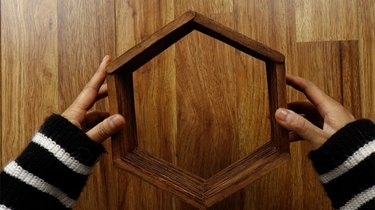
<point x="345" y="164"/>
<point x="52" y="169"/>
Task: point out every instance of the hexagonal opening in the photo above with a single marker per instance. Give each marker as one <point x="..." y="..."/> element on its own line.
<point x="193" y="105"/>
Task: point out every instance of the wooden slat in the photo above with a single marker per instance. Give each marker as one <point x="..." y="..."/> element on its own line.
<point x="178" y="28"/>
<point x="350" y="77"/>
<point x="164" y="175"/>
<point x="153" y="45"/>
<point x="367" y="57"/>
<point x="85" y="35"/>
<point x="1" y="98"/>
<point x="243" y="172"/>
<point x="28" y="71"/>
<point x="155" y="104"/>
<point x="123" y="102"/>
<point x="277" y="99"/>
<point x="237" y="40"/>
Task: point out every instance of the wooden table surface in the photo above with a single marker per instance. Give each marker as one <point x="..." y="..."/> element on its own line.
<point x="200" y="104"/>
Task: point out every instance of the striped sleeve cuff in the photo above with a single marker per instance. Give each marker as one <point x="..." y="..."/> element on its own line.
<point x="51" y="172"/>
<point x="346" y="166"/>
<point x="72" y="139"/>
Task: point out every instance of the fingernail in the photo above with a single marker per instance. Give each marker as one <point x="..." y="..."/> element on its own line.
<point x="116" y="121"/>
<point x="282" y="114"/>
<point x="106" y="58"/>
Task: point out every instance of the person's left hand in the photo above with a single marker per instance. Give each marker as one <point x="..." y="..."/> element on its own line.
<point x="99" y="125"/>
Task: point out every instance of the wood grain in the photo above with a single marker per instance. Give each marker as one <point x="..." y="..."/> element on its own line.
<point x="151" y="46"/>
<point x="163" y="174"/>
<point x="243" y="172"/>
<point x="154" y="90"/>
<point x="272" y="25"/>
<point x="350" y="77"/>
<point x="1" y="98"/>
<point x="320" y="20"/>
<point x="324" y="59"/>
<point x="367" y="57"/>
<point x="28" y="63"/>
<point x="28" y="39"/>
<point x="85" y="36"/>
<point x="207" y="107"/>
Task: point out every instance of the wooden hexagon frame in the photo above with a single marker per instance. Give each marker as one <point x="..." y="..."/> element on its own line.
<point x="193" y="189"/>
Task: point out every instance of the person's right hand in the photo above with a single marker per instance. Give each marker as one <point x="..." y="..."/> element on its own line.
<point x="321" y="115"/>
<point x="97" y="125"/>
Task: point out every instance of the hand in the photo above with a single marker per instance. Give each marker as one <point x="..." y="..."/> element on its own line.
<point x="99" y="125"/>
<point x="323" y="116"/>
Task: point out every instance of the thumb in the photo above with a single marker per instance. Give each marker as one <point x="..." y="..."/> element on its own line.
<point x="106" y="128"/>
<point x="299" y="125"/>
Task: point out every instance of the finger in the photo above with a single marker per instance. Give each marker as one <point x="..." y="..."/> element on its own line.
<point x="106" y="128"/>
<point x="87" y="97"/>
<point x="308" y="110"/>
<point x="302" y="127"/>
<point x="317" y="97"/>
<point x="102" y="93"/>
<point x="95" y="117"/>
<point x="98" y="79"/>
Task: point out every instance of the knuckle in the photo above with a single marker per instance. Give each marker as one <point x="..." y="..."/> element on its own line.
<point x="308" y="83"/>
<point x="102" y="131"/>
<point x="300" y="123"/>
<point x="90" y="87"/>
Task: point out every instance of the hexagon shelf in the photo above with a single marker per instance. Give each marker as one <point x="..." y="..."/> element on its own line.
<point x="193" y="189"/>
